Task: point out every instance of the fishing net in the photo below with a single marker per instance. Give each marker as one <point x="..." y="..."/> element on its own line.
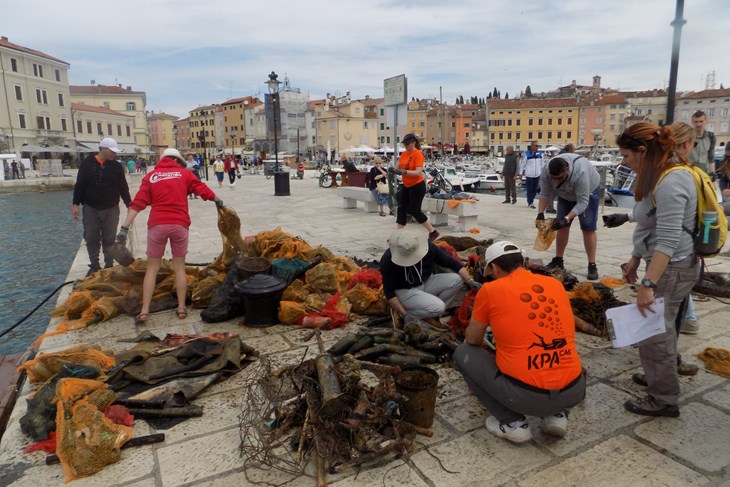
<point x="290" y="312"/>
<point x="46" y="365"/>
<point x="369" y="277"/>
<point x="717" y="360"/>
<point x="323" y="278"/>
<point x="296" y="291"/>
<point x="545" y="234"/>
<point x="361" y="296"/>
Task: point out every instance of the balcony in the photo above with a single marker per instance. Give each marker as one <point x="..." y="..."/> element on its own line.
<point x="51" y="133"/>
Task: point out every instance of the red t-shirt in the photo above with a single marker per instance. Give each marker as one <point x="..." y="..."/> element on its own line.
<point x="533" y="327"/>
<point x="409" y="161"/>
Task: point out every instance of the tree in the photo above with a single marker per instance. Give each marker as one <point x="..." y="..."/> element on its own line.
<point x="489" y="96"/>
<point x="495" y="93"/>
<point x="528" y="91"/>
<point x="506" y="95"/>
<point x="722" y="87"/>
<point x="499" y="94"/>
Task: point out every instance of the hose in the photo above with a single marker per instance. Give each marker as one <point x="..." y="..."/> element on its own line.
<point x="21" y="320"/>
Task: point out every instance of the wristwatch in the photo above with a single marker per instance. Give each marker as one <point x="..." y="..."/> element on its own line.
<point x="648" y="283"/>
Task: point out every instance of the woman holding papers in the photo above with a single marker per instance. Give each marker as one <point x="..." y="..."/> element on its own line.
<point x="661" y="212"/>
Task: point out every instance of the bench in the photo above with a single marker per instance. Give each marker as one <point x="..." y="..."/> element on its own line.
<point x="351" y="195"/>
<point x="439" y="211"/>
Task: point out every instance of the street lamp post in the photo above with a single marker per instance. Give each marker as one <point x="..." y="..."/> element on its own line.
<point x="201" y="139"/>
<point x="281" y="179"/>
<point x="233" y="142"/>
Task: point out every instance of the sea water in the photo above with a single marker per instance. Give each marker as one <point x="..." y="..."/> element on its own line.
<point x="38" y="243"/>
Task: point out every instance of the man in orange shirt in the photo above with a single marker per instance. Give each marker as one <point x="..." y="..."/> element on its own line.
<point x="536" y="370"/>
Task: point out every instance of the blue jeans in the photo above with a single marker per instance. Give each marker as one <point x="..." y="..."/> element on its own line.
<point x="533" y="187"/>
<point x="589" y="217"/>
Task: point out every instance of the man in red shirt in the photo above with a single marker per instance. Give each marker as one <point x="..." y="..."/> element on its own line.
<point x="536" y="370"/>
<point x="166" y="190"/>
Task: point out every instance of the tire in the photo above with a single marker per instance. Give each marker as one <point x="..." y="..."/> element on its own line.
<point x="325" y="181"/>
<point x="445" y="185"/>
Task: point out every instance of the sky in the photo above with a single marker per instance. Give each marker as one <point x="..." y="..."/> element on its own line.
<point x="186" y="53"/>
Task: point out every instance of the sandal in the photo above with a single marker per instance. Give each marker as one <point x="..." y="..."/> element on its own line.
<point x="182" y="313"/>
<point x="382" y="213"/>
<point x="141" y="318"/>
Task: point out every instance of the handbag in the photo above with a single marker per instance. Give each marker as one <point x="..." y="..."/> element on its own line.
<point x="382" y="188"/>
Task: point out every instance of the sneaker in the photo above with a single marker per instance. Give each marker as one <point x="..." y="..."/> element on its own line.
<point x="592" y="273"/>
<point x="689" y="327"/>
<point x="551" y="211"/>
<point x="683" y="368"/>
<point x="514" y="202"/>
<point x="434" y="235"/>
<point x="505" y="202"/>
<point x="518" y="432"/>
<point x="531" y="206"/>
<point x="647" y="406"/>
<point x="556" y="263"/>
<point x="557" y="424"/>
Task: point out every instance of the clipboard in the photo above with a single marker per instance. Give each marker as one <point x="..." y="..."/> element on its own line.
<point x="627" y="327"/>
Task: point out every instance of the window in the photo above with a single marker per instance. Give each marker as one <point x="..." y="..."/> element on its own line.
<point x="18" y="93"/>
<point x="365" y="125"/>
<point x="639" y="111"/>
<point x="382" y="126"/>
<point x="612" y="116"/>
<point x="44" y="123"/>
<point x="685" y="114"/>
<point x="41" y="96"/>
<point x="63" y="125"/>
<point x="570" y="121"/>
<point x="613" y="127"/>
<point x="530" y="121"/>
<point x="621" y="117"/>
<point x="539" y="135"/>
<point x="550" y="135"/>
<point x="569" y="135"/>
<point x="518" y="122"/>
<point x="21" y="120"/>
<point x="331" y="124"/>
<point x="517" y="136"/>
<point x="550" y="121"/>
<point x="119" y="130"/>
<point x="710" y="112"/>
<point x="491" y="136"/>
<point x="79" y="126"/>
<point x="509" y="135"/>
<point x="599" y="119"/>
<point x="529" y="135"/>
<point x="560" y="135"/>
<point x="600" y="109"/>
<point x="38" y="70"/>
<point x="560" y="121"/>
<point x="724" y="112"/>
<point x="129" y="132"/>
<point x="509" y="122"/>
<point x="58" y="75"/>
<point x="109" y="129"/>
<point x="98" y="128"/>
<point x="582" y="121"/>
<point x="466" y="124"/>
<point x="60" y="100"/>
<point x="88" y="127"/>
<point x="131" y="106"/>
<point x="14" y="65"/>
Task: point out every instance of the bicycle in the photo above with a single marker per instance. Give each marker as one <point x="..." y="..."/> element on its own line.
<point x="438" y="180"/>
<point x="325" y="176"/>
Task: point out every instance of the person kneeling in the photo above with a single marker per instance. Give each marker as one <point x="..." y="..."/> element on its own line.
<point x="536" y="370"/>
<point x="410" y="286"/>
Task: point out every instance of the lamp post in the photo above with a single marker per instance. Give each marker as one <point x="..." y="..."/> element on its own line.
<point x="201" y="139"/>
<point x="281" y="179"/>
<point x="233" y="142"/>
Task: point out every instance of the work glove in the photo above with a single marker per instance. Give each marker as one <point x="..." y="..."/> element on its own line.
<point x="474" y="285"/>
<point x="122" y="236"/>
<point x="615" y="220"/>
<point x="560" y="223"/>
<point x="538" y="221"/>
<point x="713" y="177"/>
<point x="396" y="170"/>
<point x="218" y="202"/>
<point x="540" y="216"/>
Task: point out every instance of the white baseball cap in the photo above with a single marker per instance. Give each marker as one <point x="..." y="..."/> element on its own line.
<point x="111" y="144"/>
<point x="498" y="249"/>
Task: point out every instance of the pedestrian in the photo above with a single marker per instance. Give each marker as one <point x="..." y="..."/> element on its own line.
<point x="165" y="190"/>
<point x="14" y="167"/>
<point x="509" y="174"/>
<point x="21" y="166"/>
<point x="703" y="152"/>
<point x="531" y="167"/>
<point x="230" y="166"/>
<point x="192" y="166"/>
<point x="410" y="166"/>
<point x="672" y="268"/>
<point x="100" y="183"/>
<point x="536" y="370"/>
<point x="576" y="183"/>
<point x="378" y="175"/>
<point x="410" y="285"/>
<point x="143" y="166"/>
<point x="219" y="169"/>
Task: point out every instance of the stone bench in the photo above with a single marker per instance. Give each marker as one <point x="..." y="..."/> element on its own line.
<point x="351" y="195"/>
<point x="439" y="210"/>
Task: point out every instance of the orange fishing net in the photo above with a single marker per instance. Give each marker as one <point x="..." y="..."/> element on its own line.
<point x="586" y="292"/>
<point x="290" y="312"/>
<point x="717" y="360"/>
<point x="612" y="282"/>
<point x="545" y="234"/>
<point x="46" y="365"/>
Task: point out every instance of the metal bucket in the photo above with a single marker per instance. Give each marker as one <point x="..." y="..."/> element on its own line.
<point x="418" y="384"/>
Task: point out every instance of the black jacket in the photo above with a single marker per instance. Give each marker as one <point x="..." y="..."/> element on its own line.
<point x="101" y="185"/>
<point x="398" y="277"/>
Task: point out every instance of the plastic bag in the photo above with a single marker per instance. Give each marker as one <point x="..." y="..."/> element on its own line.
<point x="545" y="235"/>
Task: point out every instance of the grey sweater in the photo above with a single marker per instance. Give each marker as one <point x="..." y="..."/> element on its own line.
<point x="582" y="180"/>
<point x="661" y="230"/>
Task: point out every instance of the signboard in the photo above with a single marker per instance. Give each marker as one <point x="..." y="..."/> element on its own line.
<point x="395" y="90"/>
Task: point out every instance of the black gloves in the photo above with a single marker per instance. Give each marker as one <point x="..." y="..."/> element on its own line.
<point x="615" y="220"/>
<point x="122" y="236"/>
<point x="540" y="216"/>
<point x="474" y="285"/>
<point x="218" y="202"/>
<point x="396" y="170"/>
<point x="713" y="176"/>
<point x="561" y="223"/>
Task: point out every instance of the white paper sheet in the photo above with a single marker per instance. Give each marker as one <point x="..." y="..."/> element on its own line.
<point x="626" y="326"/>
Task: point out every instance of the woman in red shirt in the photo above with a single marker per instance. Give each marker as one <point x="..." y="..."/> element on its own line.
<point x="410" y="166"/>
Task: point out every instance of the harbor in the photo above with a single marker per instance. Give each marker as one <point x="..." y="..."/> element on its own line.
<point x="605" y="444"/>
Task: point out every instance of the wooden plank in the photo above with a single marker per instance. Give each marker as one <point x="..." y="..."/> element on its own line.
<point x="9" y="380"/>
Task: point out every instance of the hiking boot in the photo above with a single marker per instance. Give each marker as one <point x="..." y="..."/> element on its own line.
<point x="592" y="273"/>
<point x="505" y="202"/>
<point x="647" y="406"/>
<point x="683" y="368"/>
<point x="557" y="424"/>
<point x="556" y="263"/>
<point x="434" y="235"/>
<point x="689" y="327"/>
<point x="551" y="211"/>
<point x="516" y="431"/>
<point x="640" y="379"/>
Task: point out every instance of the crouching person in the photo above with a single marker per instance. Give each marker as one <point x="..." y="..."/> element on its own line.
<point x="536" y="370"/>
<point x="409" y="283"/>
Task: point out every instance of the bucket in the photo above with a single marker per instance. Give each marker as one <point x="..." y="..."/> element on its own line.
<point x="418" y="385"/>
<point x="261" y="296"/>
<point x="250" y="266"/>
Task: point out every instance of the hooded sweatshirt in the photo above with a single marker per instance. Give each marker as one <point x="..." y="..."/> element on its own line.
<point x="399" y="277"/>
<point x="166" y="189"/>
<point x="582" y="180"/>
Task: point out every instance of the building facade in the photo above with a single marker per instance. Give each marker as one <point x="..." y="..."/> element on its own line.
<point x="91" y="124"/>
<point x="234" y="123"/>
<point x="181" y="133"/>
<point x="715" y="104"/>
<point x="162" y="133"/>
<point x="202" y="130"/>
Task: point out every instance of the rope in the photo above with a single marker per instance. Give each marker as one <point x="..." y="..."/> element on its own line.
<point x="21" y="320"/>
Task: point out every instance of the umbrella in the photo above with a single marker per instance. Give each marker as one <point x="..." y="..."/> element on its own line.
<point x="58" y="148"/>
<point x="552" y="148"/>
<point x="29" y="148"/>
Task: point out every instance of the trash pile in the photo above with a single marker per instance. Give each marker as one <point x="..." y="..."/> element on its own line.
<point x="590" y="302"/>
<point x="83" y="410"/>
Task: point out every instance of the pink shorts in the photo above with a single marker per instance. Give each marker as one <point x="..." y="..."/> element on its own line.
<point x="158" y="235"/>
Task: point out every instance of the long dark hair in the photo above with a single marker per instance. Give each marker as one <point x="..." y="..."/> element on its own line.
<point x="658" y="146"/>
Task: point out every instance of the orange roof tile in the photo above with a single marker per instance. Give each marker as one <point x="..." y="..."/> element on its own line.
<point x="249" y="99"/>
<point x="89" y="108"/>
<point x="102" y="90"/>
<point x="707" y="94"/>
<point x="4" y="42"/>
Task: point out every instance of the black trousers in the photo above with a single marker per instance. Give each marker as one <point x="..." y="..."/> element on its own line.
<point x="100" y="229"/>
<point x="410" y="203"/>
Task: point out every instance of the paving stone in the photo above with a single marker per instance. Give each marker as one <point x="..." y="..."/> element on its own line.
<point x="719" y="398"/>
<point x="689" y="386"/>
<point x="463" y="414"/>
<point x="700" y="435"/>
<point x="605" y="363"/>
<point x="395" y="474"/>
<point x="617" y="461"/>
<point x="478" y="458"/>
<point x="451" y="384"/>
<point x="219" y="411"/>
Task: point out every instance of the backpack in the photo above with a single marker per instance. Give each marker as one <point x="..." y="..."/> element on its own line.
<point x="706" y="201"/>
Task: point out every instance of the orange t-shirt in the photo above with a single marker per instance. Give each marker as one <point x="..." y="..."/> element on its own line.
<point x="533" y="327"/>
<point x="410" y="161"/>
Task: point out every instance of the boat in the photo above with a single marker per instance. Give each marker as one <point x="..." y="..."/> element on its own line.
<point x="489" y="181"/>
<point x="459" y="180"/>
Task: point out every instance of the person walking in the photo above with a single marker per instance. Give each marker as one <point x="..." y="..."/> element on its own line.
<point x="219" y="169"/>
<point x="192" y="165"/>
<point x="131" y="166"/>
<point x="230" y="166"/>
<point x="703" y="152"/>
<point x="100" y="183"/>
<point x="576" y="183"/>
<point x="509" y="174"/>
<point x="531" y="167"/>
<point x="378" y="175"/>
<point x="536" y="370"/>
<point x="14" y="167"/>
<point x="410" y="167"/>
<point x="165" y="190"/>
<point x="661" y="212"/>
